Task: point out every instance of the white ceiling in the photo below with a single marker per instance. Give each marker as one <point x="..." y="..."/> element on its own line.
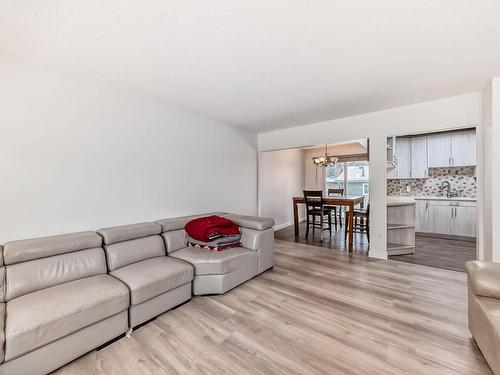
<point x="265" y="64"/>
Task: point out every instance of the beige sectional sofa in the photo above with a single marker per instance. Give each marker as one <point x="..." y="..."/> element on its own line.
<point x="62" y="296"/>
<point x="484" y="309"/>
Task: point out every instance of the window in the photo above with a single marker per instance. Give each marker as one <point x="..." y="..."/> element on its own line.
<point x="335" y="176"/>
<point x="352" y="176"/>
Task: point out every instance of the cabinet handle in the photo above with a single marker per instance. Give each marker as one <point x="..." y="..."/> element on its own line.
<point x="427" y="205"/>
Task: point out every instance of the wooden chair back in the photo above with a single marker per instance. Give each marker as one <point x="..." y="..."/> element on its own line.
<point x="314" y="200"/>
<point x="336" y="191"/>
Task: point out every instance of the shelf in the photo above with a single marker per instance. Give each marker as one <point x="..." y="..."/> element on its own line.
<point x="399" y="249"/>
<point x="395" y="246"/>
<point x="399" y="226"/>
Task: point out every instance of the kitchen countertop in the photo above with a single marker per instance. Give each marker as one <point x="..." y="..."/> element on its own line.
<point x="400" y="201"/>
<point x="463" y="199"/>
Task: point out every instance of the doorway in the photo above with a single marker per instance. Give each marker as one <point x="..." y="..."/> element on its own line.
<point x="285" y="174"/>
<point x="438" y="172"/>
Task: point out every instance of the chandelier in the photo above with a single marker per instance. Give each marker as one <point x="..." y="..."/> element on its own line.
<point x="325" y="160"/>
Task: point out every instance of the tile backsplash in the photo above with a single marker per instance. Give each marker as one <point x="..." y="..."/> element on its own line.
<point x="461" y="179"/>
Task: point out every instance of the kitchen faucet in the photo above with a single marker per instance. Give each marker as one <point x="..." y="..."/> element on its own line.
<point x="446" y="185"/>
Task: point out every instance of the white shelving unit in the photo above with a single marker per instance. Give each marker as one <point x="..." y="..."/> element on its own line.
<point x="400" y="225"/>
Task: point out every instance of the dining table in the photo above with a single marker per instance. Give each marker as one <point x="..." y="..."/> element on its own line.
<point x="350" y="201"/>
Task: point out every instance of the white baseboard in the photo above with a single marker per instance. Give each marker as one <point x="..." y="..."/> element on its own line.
<point x="290" y="223"/>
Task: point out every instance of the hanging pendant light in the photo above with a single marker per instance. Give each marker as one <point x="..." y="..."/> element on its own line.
<point x="326" y="160"/>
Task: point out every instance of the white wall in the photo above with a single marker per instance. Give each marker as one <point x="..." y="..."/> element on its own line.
<point x="485" y="183"/>
<point x="281" y="177"/>
<point x="444" y="114"/>
<point x="75" y="155"/>
<point x="491" y="154"/>
<point x="495" y="162"/>
<point x="314" y="176"/>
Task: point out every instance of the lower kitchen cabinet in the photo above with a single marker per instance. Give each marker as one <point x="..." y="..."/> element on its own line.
<point x="446" y="217"/>
<point x="421" y="216"/>
<point x="464" y="222"/>
<point x="440" y="217"/>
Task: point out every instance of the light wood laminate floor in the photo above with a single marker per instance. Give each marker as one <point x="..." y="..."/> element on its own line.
<point x="440" y="252"/>
<point x="429" y="251"/>
<point x="318" y="311"/>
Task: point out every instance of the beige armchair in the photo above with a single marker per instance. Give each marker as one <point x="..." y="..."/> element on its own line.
<point x="484" y="309"/>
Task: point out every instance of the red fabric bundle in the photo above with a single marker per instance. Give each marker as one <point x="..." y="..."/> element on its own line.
<point x="210" y="227"/>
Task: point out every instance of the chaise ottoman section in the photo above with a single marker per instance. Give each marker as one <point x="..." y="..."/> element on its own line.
<point x="216" y="272"/>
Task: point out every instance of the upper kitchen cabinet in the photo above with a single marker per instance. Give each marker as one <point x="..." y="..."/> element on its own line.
<point x="439" y="150"/>
<point x="418" y="157"/>
<point x="452" y="149"/>
<point x="463" y="148"/>
<point x="403" y="157"/>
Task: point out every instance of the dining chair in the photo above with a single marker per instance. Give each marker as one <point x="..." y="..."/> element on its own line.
<point x="337" y="215"/>
<point x="361" y="223"/>
<point x="315" y="208"/>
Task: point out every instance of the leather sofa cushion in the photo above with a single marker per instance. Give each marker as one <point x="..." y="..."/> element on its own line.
<point x="26" y="277"/>
<point x="39" y="318"/>
<point x="152" y="277"/>
<point x="128" y="232"/>
<point x="209" y="262"/>
<point x="176" y="223"/>
<point x="124" y="253"/>
<point x="251" y="222"/>
<point x="2" y="284"/>
<point x="2" y="331"/>
<point x="24" y="250"/>
<point x="488" y="310"/>
<point x="484" y="278"/>
<point x="175" y="240"/>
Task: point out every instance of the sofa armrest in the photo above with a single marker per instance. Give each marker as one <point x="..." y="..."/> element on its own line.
<point x="484" y="278"/>
<point x="251" y="222"/>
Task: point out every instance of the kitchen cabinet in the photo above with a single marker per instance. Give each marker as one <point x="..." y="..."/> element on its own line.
<point x="411" y="157"/>
<point x="450" y="217"/>
<point x="403" y="157"/>
<point x="439" y="150"/>
<point x="452" y="149"/>
<point x="421" y="216"/>
<point x="463" y="148"/>
<point x="464" y="221"/>
<point x="440" y="217"/>
<point x="418" y="157"/>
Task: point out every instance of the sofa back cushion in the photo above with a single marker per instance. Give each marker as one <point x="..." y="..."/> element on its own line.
<point x="250" y="222"/>
<point x="40" y="263"/>
<point x="131" y="243"/>
<point x="176" y="223"/>
<point x="175" y="240"/>
<point x="23" y="250"/>
<point x="26" y="277"/>
<point x="127" y="252"/>
<point x="2" y="279"/>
